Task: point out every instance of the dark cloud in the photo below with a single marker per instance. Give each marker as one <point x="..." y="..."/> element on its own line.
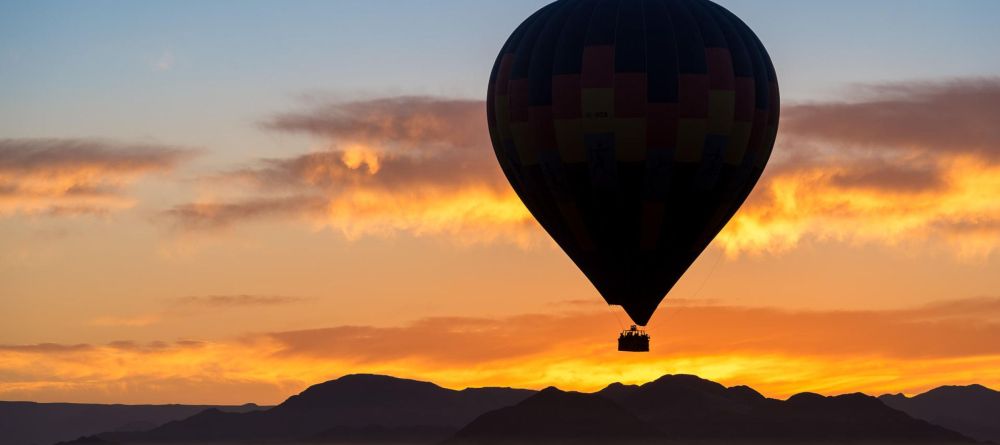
<point x="970" y="225"/>
<point x="403" y="142"/>
<point x="957" y="116"/>
<point x="393" y="164"/>
<point x="979" y="307"/>
<point x="385" y="154"/>
<point x="122" y="345"/>
<point x="887" y="176"/>
<point x="45" y="348"/>
<point x="76" y="176"/>
<point x="205" y="215"/>
<point x="54" y="155"/>
<point x="415" y="122"/>
<point x="842" y="171"/>
<point x="329" y="171"/>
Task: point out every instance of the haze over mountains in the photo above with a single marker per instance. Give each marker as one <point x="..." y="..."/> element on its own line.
<point x="359" y="409"/>
<point x="45" y="423"/>
<point x="974" y="409"/>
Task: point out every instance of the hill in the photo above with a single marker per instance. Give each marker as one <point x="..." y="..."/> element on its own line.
<point x="342" y="410"/>
<point x="686" y="408"/>
<point x="371" y="409"/>
<point x="26" y="423"/>
<point x="555" y="417"/>
<point x="974" y="409"/>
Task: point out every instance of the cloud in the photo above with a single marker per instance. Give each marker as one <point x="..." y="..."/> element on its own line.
<point x="214" y="215"/>
<point x="777" y="351"/>
<point x="373" y="167"/>
<point x="46" y="348"/>
<point x="406" y="122"/>
<point x="164" y="62"/>
<point x="903" y="163"/>
<point x="813" y="203"/>
<point x="76" y="176"/>
<point x="947" y="329"/>
<point x="936" y="117"/>
<point x="221" y="301"/>
<point x="416" y="165"/>
<point x="900" y="163"/>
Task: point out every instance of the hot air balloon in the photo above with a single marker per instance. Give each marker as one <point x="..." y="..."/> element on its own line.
<point x="633" y="130"/>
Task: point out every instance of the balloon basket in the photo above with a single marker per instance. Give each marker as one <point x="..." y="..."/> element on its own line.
<point x="633" y="340"/>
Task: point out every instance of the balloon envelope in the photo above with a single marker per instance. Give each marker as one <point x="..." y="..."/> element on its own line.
<point x="633" y="130"/>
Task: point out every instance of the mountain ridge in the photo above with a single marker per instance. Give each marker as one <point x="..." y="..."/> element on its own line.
<point x="688" y="408"/>
<point x="25" y="423"/>
<point x="345" y="405"/>
<point x="371" y="408"/>
<point x="973" y="409"/>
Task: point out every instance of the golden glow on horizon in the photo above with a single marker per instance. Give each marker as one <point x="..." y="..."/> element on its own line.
<point x="778" y="353"/>
<point x="257" y="371"/>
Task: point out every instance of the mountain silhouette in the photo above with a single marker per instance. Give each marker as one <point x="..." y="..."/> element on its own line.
<point x="87" y="440"/>
<point x="383" y="435"/>
<point x="973" y="410"/>
<point x="24" y="423"/>
<point x="554" y="416"/>
<point x="342" y="410"/>
<point x="373" y="409"/>
<point x="688" y="408"/>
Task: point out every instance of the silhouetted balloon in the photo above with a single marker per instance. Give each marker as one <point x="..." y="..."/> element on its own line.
<point x="633" y="130"/>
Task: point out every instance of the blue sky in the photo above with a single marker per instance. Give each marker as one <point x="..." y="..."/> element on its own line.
<point x="202" y="73"/>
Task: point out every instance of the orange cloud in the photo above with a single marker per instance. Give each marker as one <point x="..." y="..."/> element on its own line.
<point x="956" y="116"/>
<point x="906" y="163"/>
<point x="413" y="164"/>
<point x="956" y="329"/>
<point x="957" y="205"/>
<point x="903" y="163"/>
<point x="73" y="176"/>
<point x="777" y="352"/>
<point x="406" y="122"/>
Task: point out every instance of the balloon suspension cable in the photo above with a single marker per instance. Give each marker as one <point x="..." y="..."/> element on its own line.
<point x="711" y="271"/>
<point x="617" y="318"/>
<point x="704" y="281"/>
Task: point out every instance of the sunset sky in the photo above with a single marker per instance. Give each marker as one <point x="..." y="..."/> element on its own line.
<point x="225" y="202"/>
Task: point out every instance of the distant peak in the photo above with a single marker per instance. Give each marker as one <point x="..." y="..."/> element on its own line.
<point x="745" y="392"/>
<point x="357" y="386"/>
<point x="975" y="387"/>
<point x="679" y="377"/>
<point x="805" y="396"/>
<point x="682" y="378"/>
<point x="367" y="379"/>
<point x="687" y="381"/>
<point x="363" y="376"/>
